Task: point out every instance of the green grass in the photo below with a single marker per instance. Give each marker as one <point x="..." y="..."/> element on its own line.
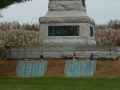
<point x="59" y="83"/>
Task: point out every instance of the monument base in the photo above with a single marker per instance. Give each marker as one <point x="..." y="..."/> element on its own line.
<point x="68" y="42"/>
<point x="62" y="51"/>
<point x="84" y="35"/>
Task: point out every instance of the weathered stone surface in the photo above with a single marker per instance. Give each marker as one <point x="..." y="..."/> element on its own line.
<point x="77" y="19"/>
<point x="32" y="54"/>
<point x="68" y="42"/>
<point x="118" y="54"/>
<point x="83" y="38"/>
<point x="63" y="52"/>
<point x="51" y="54"/>
<point x="97" y="54"/>
<point x="93" y="48"/>
<point x="24" y="48"/>
<point x="118" y="49"/>
<point x="86" y="54"/>
<point x="65" y="5"/>
<point x="66" y="13"/>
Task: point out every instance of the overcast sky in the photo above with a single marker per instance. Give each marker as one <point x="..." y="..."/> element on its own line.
<point x="100" y="10"/>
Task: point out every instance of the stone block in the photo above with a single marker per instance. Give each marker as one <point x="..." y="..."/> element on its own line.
<point x="118" y="49"/>
<point x="66" y="40"/>
<point x="65" y="5"/>
<point x="66" y="54"/>
<point x="97" y="54"/>
<point x="64" y="19"/>
<point x="24" y="48"/>
<point x="23" y="54"/>
<point x="92" y="48"/>
<point x="57" y="48"/>
<point x="66" y="13"/>
<point x="62" y="52"/>
<point x="51" y="54"/>
<point x="118" y="54"/>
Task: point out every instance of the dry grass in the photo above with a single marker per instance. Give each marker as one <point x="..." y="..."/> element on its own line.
<point x="17" y="38"/>
<point x="107" y="36"/>
<point x="108" y="68"/>
<point x="105" y="68"/>
<point x="55" y="68"/>
<point x="8" y="68"/>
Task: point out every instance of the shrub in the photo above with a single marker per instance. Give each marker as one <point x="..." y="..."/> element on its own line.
<point x="17" y="38"/>
<point x="16" y="25"/>
<point x="107" y="36"/>
<point x="114" y="24"/>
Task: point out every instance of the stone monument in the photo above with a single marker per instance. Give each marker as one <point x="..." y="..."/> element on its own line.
<point x="64" y="29"/>
<point x="66" y="23"/>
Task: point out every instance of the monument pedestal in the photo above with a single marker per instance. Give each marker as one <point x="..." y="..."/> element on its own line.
<point x="66" y="23"/>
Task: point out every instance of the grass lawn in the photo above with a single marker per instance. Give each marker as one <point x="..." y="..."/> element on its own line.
<point x="59" y="83"/>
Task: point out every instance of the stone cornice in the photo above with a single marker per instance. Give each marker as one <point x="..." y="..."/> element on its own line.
<point x="79" y="19"/>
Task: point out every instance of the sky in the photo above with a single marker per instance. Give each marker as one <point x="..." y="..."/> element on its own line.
<point x="100" y="10"/>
